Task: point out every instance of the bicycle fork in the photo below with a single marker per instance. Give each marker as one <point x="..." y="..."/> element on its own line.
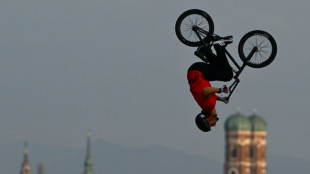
<point x="240" y="69"/>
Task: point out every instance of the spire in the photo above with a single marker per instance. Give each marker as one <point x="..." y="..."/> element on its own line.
<point x="88" y="164"/>
<point x="88" y="145"/>
<point x="26" y="160"/>
<point x="25" y="165"/>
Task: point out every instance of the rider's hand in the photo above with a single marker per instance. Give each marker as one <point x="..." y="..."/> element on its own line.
<point x="224" y="89"/>
<point x="223" y="99"/>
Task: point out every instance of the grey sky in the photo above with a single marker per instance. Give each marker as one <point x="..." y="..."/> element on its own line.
<point x="117" y="68"/>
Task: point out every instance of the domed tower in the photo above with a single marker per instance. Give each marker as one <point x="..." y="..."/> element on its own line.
<point x="238" y="142"/>
<point x="26" y="165"/>
<point x="258" y="144"/>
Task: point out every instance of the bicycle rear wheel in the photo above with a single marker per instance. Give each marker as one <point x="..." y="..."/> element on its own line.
<point x="265" y="48"/>
<point x="192" y="20"/>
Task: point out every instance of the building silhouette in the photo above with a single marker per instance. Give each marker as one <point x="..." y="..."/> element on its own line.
<point x="245" y="149"/>
<point x="88" y="163"/>
<point x="26" y="169"/>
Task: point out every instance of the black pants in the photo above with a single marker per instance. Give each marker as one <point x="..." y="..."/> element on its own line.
<point x="218" y="67"/>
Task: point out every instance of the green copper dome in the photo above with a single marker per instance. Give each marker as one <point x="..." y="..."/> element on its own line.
<point x="237" y="122"/>
<point x="258" y="123"/>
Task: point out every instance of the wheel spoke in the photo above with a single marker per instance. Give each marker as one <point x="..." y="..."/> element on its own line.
<point x="264" y="48"/>
<point x="189" y="22"/>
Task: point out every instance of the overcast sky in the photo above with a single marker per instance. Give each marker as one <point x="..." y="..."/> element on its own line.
<point x="118" y="69"/>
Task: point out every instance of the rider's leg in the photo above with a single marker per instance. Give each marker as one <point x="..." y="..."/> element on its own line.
<point x="218" y="67"/>
<point x="211" y="57"/>
<point x="222" y="62"/>
<point x="209" y="71"/>
<point x="205" y="53"/>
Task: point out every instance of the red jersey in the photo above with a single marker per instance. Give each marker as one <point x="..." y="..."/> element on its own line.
<point x="197" y="82"/>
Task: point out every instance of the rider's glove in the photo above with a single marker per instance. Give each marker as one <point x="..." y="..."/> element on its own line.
<point x="224" y="89"/>
<point x="223" y="99"/>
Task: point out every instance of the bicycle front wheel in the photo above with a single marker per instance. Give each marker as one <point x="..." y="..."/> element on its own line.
<point x="191" y="20"/>
<point x="257" y="49"/>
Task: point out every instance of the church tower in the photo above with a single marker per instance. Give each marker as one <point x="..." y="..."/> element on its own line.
<point x="26" y="165"/>
<point x="245" y="144"/>
<point x="88" y="164"/>
<point x="258" y="144"/>
<point x="238" y="133"/>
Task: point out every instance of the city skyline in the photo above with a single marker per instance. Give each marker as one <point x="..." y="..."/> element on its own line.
<point x="105" y="152"/>
<point x="245" y="137"/>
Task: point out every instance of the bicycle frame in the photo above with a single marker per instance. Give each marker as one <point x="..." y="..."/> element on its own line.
<point x="240" y="69"/>
<point x="233" y="86"/>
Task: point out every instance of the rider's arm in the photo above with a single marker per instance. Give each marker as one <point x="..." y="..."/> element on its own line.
<point x="208" y="91"/>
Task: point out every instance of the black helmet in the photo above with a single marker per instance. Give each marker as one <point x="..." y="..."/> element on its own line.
<point x="202" y="123"/>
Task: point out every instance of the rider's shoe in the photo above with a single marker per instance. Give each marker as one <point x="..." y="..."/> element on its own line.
<point x="223" y="41"/>
<point x="201" y="52"/>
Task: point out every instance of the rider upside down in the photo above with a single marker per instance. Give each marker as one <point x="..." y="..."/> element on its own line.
<point x="199" y="76"/>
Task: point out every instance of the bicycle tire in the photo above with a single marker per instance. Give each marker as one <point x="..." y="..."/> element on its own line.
<point x="185" y="23"/>
<point x="266" y="48"/>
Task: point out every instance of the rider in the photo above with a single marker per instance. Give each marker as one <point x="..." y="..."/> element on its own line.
<point x="199" y="74"/>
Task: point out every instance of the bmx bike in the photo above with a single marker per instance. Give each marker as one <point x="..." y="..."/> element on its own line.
<point x="256" y="48"/>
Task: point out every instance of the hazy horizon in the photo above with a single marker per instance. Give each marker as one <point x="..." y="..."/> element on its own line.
<point x="108" y="157"/>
